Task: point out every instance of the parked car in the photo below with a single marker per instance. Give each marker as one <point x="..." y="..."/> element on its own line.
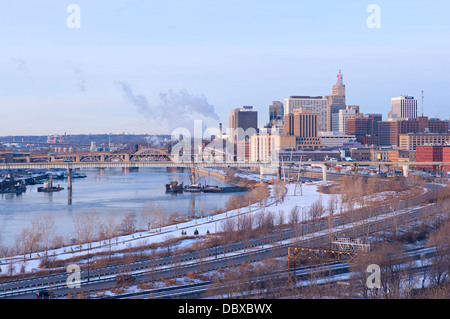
<point x="44" y="294"/>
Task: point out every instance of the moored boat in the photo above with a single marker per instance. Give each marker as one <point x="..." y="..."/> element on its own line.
<point x="10" y="185"/>
<point x="174" y="187"/>
<point x="48" y="187"/>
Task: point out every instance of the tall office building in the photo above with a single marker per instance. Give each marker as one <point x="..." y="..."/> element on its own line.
<point x="363" y="124"/>
<point x="317" y="104"/>
<point x="244" y="118"/>
<point x="276" y="118"/>
<point x="303" y="125"/>
<point x="404" y="107"/>
<point x="343" y="115"/>
<point x="336" y="102"/>
<point x="276" y="111"/>
<point x="265" y="147"/>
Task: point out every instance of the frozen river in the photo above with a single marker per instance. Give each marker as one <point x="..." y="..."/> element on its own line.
<point x="104" y="192"/>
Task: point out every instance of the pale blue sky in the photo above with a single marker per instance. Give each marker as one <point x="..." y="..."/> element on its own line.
<point x="220" y="54"/>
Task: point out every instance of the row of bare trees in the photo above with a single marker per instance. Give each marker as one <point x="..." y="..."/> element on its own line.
<point x="41" y="235"/>
<point x="90" y="227"/>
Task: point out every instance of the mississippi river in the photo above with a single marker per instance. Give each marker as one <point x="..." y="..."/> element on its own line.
<point x="105" y="192"/>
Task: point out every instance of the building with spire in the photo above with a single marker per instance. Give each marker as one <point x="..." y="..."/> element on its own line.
<point x="336" y="102"/>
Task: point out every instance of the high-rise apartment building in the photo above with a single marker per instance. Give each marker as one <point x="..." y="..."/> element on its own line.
<point x="404" y="107"/>
<point x="317" y="104"/>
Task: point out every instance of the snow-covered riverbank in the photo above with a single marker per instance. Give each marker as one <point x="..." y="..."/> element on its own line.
<point x="295" y="197"/>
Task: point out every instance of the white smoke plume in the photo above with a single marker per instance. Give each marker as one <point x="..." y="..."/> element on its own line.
<point x="176" y="109"/>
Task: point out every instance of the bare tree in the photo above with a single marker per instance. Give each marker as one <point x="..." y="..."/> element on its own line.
<point x="24" y="242"/>
<point x="110" y="228"/>
<point x="316" y="210"/>
<point x="148" y="215"/>
<point x="228" y="228"/>
<point x="294" y="216"/>
<point x="279" y="191"/>
<point x="46" y="226"/>
<point x="260" y="193"/>
<point x="128" y="224"/>
<point x="244" y="223"/>
<point x="280" y="218"/>
<point x="331" y="205"/>
<point x="85" y="226"/>
<point x="159" y="216"/>
<point x="30" y="238"/>
<point x="440" y="240"/>
<point x="387" y="256"/>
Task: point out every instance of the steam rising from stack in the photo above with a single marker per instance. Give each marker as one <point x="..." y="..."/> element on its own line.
<point x="176" y="108"/>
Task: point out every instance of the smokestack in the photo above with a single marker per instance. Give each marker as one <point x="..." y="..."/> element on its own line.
<point x="220" y="130"/>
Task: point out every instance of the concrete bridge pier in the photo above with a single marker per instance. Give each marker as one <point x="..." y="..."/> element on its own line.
<point x="388" y="170"/>
<point x="69" y="178"/>
<point x="405" y="171"/>
<point x="69" y="196"/>
<point x="324" y="172"/>
<point x="192" y="175"/>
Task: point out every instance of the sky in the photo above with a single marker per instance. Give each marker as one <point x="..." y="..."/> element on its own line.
<point x="150" y="66"/>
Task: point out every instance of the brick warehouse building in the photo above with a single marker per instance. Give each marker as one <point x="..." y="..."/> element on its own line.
<point x="433" y="153"/>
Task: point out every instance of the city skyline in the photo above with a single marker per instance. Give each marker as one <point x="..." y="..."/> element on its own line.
<point x="148" y="67"/>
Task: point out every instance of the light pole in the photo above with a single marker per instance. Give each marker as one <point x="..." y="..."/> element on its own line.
<point x="215" y="234"/>
<point x="395" y="222"/>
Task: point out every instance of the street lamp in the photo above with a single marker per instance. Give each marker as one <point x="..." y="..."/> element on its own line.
<point x="215" y="235"/>
<point x="395" y="222"/>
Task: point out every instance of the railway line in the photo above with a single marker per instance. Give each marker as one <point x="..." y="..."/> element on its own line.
<point x="334" y="273"/>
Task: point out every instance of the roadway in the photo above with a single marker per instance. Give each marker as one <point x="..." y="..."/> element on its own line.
<point x="206" y="164"/>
